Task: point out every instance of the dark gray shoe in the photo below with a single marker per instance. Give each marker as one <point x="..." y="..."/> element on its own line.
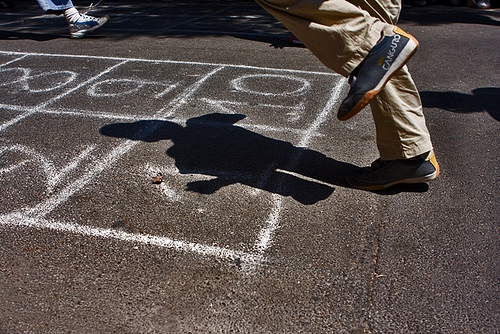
<point x="369" y="78"/>
<point x="386" y="173"/>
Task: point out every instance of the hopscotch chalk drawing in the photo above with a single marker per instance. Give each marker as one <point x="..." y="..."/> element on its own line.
<point x="128" y="110"/>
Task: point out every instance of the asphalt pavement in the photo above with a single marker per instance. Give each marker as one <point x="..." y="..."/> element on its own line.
<point x="182" y="171"/>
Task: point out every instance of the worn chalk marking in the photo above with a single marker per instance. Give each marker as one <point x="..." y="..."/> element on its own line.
<point x="223" y="106"/>
<point x="134" y="117"/>
<point x="19" y="220"/>
<point x="34" y="217"/>
<point x="52" y="176"/>
<point x="132" y="86"/>
<point x="33" y="110"/>
<point x="46" y="165"/>
<point x="26" y="76"/>
<point x="168" y="191"/>
<point x="264" y="240"/>
<point x="185" y="97"/>
<point x="97" y="167"/>
<point x="279" y="70"/>
<point x="241" y="84"/>
<point x="13" y="60"/>
<point x="265" y="236"/>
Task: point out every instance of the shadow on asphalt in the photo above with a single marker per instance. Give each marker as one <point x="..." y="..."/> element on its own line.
<point x="240" y="156"/>
<point x="212" y="145"/>
<point x="193" y="18"/>
<point x="482" y="99"/>
<point x="178" y="19"/>
<point x="440" y="15"/>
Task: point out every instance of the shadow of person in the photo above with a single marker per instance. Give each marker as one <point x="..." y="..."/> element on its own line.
<point x="39" y="37"/>
<point x="212" y="145"/>
<point x="482" y="99"/>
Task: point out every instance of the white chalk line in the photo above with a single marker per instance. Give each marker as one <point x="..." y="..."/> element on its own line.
<point x="26" y="76"/>
<point x="303" y="177"/>
<point x="31" y="111"/>
<point x="82" y="84"/>
<point x="139" y="84"/>
<point x="266" y="234"/>
<point x="272" y="223"/>
<point x="165" y="188"/>
<point x="136" y="117"/>
<point x="53" y="176"/>
<point x="185" y="96"/>
<point x="20" y="220"/>
<point x="332" y="101"/>
<point x="33" y="217"/>
<point x="13" y="61"/>
<point x="163" y="61"/>
<point x="44" y="208"/>
<point x="239" y="84"/>
<point x="51" y="203"/>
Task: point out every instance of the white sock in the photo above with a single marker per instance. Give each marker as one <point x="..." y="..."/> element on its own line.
<point x="72" y="15"/>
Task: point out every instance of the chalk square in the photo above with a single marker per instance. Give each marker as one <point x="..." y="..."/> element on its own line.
<point x="44" y="154"/>
<point x="33" y="81"/>
<point x="136" y="89"/>
<point x="273" y="101"/>
<point x="218" y="182"/>
<point x="230" y="175"/>
<point x="124" y="197"/>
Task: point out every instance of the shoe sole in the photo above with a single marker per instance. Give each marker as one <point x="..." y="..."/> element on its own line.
<point x="396" y="66"/>
<point x="421" y="179"/>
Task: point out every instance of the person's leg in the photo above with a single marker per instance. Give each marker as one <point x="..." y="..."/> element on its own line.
<point x="343" y="34"/>
<point x="337" y="32"/>
<point x="55" y="6"/>
<point x="399" y="119"/>
<point x="79" y="24"/>
<point x="397" y="109"/>
<point x="403" y="140"/>
<point x="406" y="153"/>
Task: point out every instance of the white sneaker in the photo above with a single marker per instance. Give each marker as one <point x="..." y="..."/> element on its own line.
<point x="86" y="24"/>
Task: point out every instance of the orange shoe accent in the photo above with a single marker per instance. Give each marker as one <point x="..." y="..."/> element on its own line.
<point x="434" y="162"/>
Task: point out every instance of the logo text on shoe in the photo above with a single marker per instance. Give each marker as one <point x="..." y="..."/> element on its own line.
<point x="389" y="58"/>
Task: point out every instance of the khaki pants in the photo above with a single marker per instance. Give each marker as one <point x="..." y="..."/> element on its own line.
<point x="341" y="33"/>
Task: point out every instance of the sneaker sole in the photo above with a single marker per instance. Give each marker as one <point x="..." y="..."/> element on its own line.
<point x="414" y="180"/>
<point x="421" y="179"/>
<point x="396" y="66"/>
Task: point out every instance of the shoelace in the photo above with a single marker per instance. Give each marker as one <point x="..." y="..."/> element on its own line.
<point x="92" y="6"/>
<point x="87" y="18"/>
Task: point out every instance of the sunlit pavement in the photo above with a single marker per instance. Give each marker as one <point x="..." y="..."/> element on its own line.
<point x="182" y="170"/>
